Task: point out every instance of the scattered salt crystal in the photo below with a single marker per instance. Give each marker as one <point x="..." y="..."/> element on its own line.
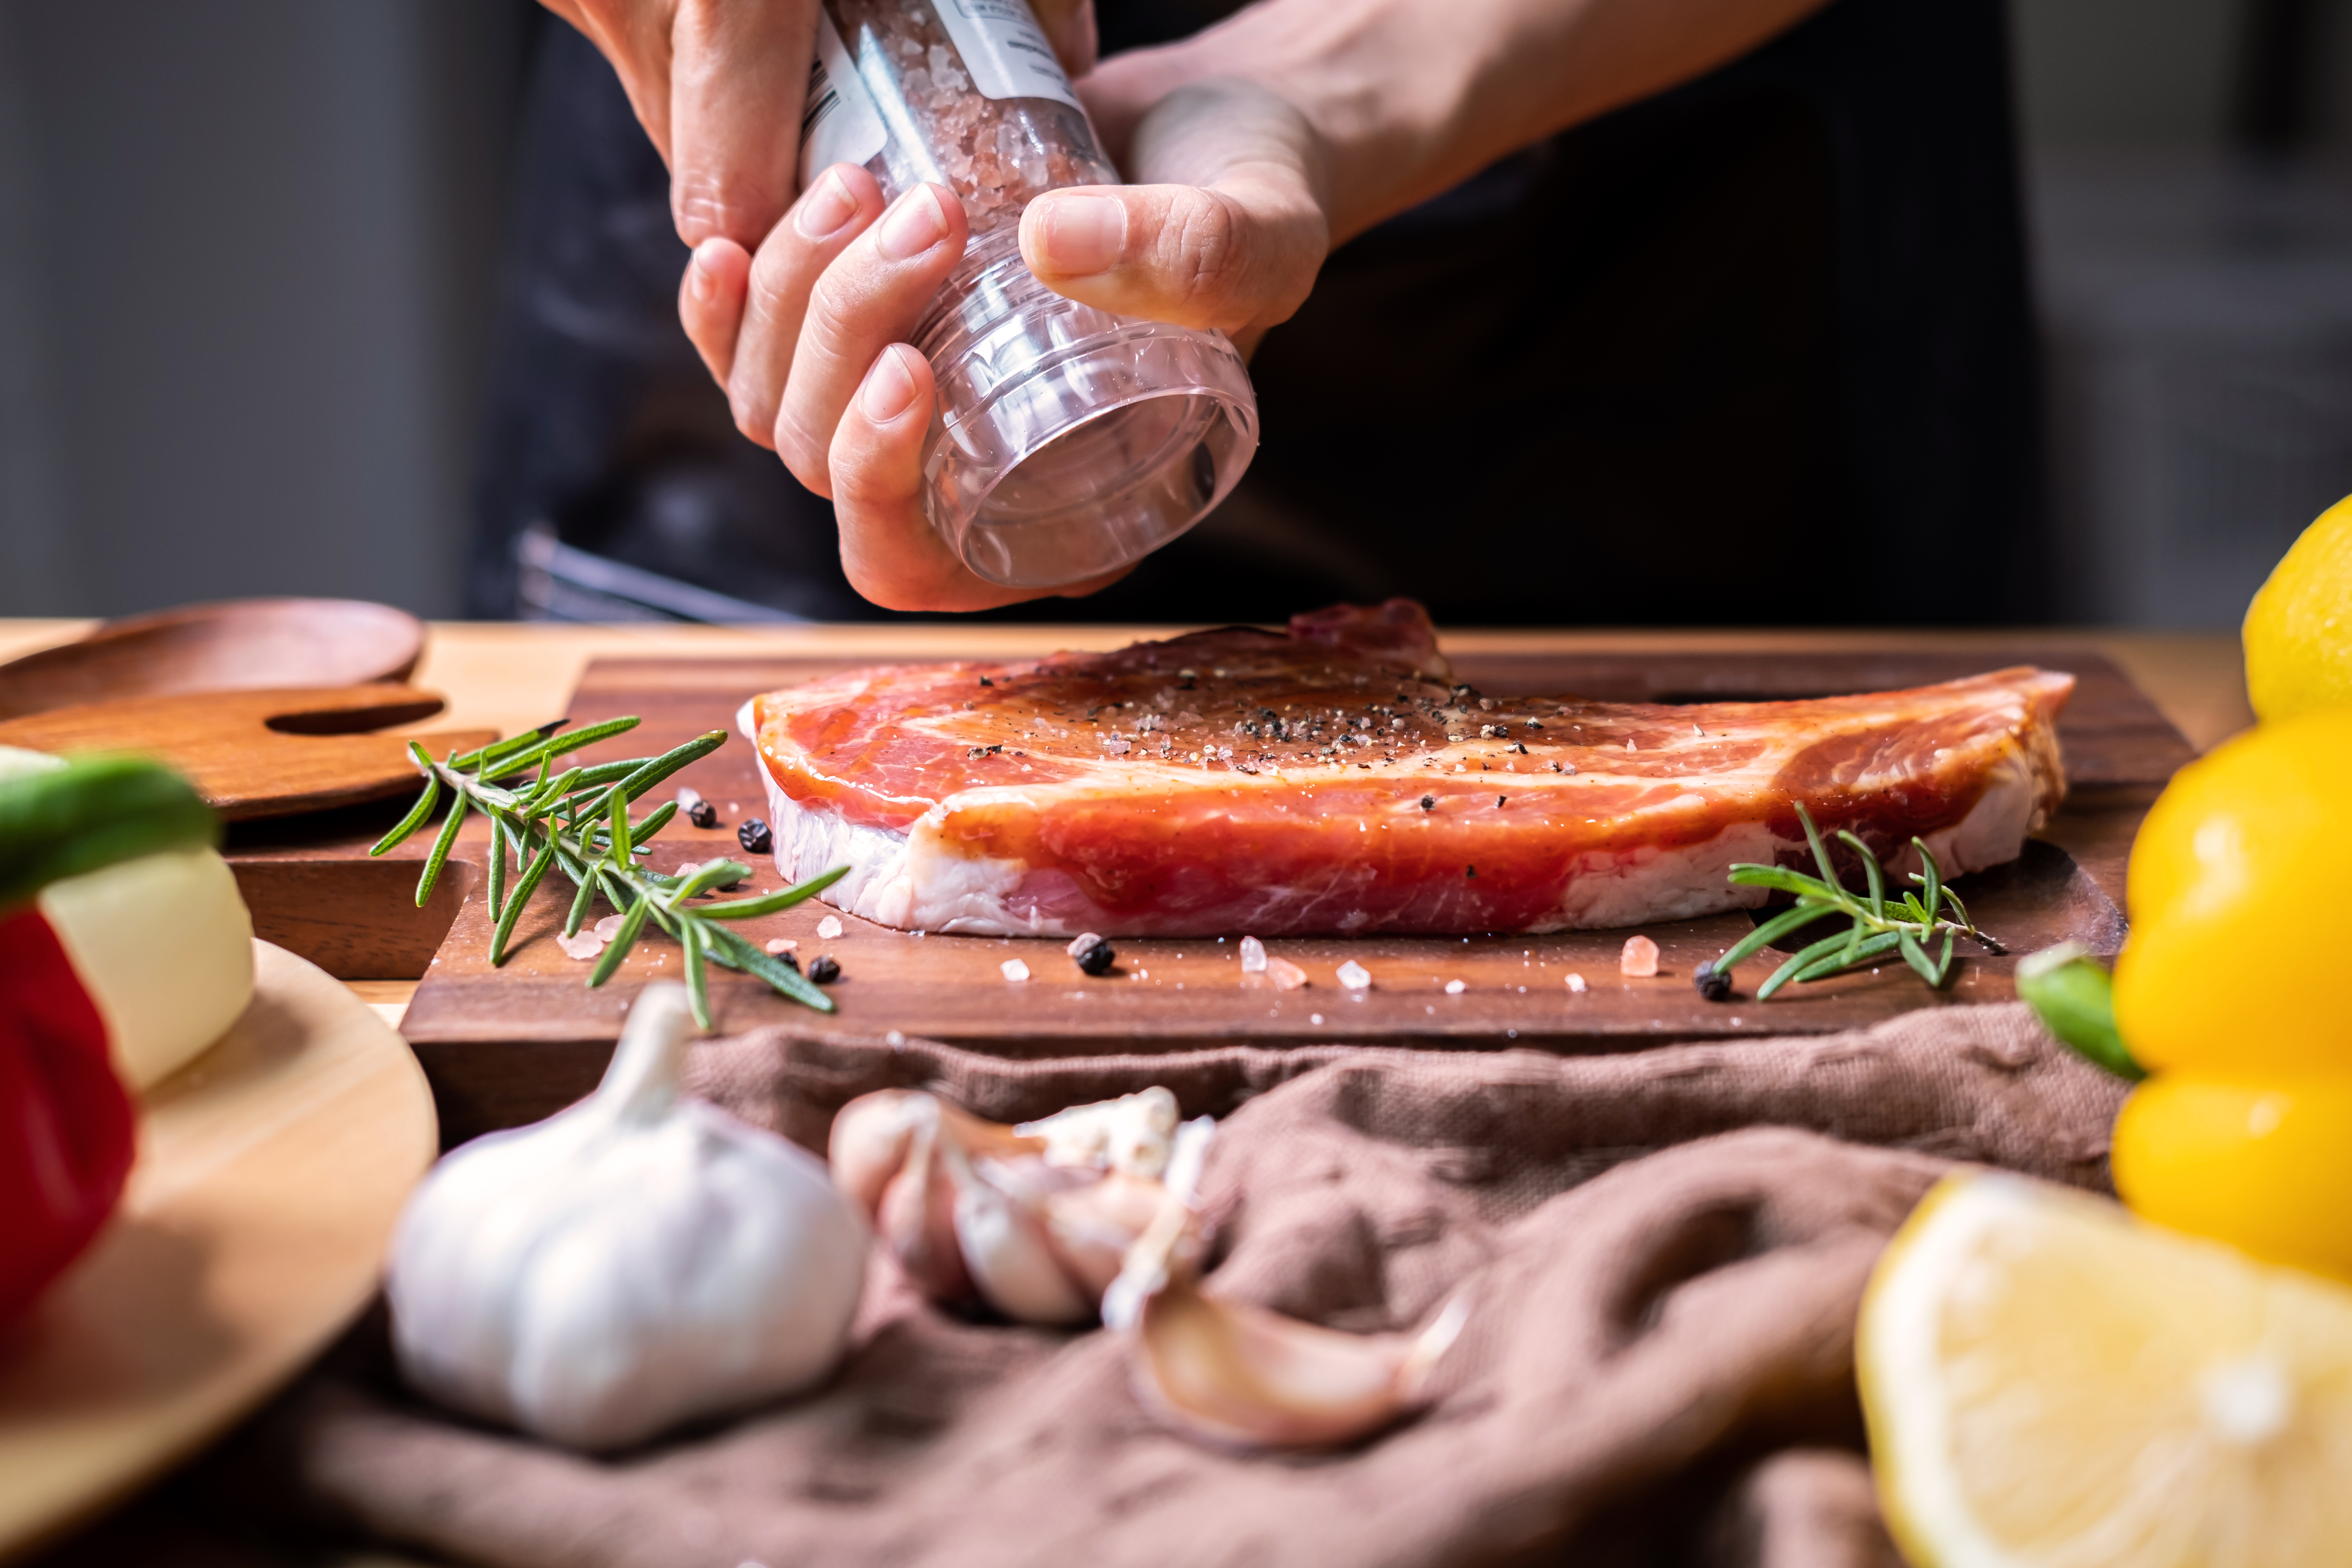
<point x="1576" y="984"/>
<point x="1355" y="976"/>
<point x="1253" y="956"/>
<point x="606" y="929"/>
<point x="587" y="944"/>
<point x="781" y="944"/>
<point x="689" y="798"/>
<point x="829" y="928"/>
<point x="1315" y="1017"/>
<point x="1640" y="958"/>
<point x="1286" y="976"/>
<point x="1454" y="988"/>
<point x="894" y="1040"/>
<point x="1078" y="946"/>
<point x="1014" y="970"/>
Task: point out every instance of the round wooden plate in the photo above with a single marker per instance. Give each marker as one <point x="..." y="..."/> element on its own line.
<point x="271" y="1172"/>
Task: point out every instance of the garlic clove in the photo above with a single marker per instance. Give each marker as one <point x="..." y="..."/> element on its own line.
<point x="1091" y="1227"/>
<point x="1240" y="1375"/>
<point x="1034" y="1219"/>
<point x="1013" y="1264"/>
<point x="1129" y="1135"/>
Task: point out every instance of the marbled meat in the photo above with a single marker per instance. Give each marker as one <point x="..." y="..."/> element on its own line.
<point x="1335" y="780"/>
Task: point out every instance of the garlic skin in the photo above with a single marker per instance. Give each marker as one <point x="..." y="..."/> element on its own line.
<point x="1033" y="1219"/>
<point x="632" y="1262"/>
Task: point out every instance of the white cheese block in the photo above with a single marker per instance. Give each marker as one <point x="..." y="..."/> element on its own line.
<point x="164" y="946"/>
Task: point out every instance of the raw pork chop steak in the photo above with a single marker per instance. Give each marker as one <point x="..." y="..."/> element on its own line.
<point x="1333" y="780"/>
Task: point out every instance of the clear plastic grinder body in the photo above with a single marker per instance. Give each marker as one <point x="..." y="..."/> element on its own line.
<point x="1066" y="442"/>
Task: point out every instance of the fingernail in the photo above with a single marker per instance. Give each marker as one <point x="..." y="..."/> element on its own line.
<point x="1082" y="235"/>
<point x="699" y="281"/>
<point x="914" y="225"/>
<point x="828" y="206"/>
<point x="889" y="388"/>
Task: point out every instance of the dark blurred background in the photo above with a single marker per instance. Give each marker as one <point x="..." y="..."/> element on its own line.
<point x="251" y="253"/>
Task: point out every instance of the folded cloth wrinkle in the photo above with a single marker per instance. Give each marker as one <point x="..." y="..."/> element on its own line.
<point x="1662" y="1253"/>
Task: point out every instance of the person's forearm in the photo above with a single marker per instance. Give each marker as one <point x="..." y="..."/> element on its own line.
<point x="1410" y="97"/>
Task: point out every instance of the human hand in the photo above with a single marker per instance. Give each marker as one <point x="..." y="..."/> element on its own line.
<point x="808" y="336"/>
<point x="717" y="84"/>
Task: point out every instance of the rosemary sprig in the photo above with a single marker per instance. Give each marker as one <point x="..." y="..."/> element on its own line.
<point x="1879" y="926"/>
<point x="578" y="820"/>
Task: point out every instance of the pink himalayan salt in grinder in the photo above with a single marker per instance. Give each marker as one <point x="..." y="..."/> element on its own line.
<point x="1067" y="441"/>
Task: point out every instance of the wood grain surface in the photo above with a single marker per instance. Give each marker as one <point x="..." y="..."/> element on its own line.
<point x="259" y="753"/>
<point x="235" y="644"/>
<point x="507" y="1045"/>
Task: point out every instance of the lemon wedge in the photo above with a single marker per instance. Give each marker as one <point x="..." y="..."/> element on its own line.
<point x="2052" y="1383"/>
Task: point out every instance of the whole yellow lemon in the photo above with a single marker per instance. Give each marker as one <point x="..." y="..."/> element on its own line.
<point x="2298" y="631"/>
<point x="2266" y="1167"/>
<point x="2239" y="886"/>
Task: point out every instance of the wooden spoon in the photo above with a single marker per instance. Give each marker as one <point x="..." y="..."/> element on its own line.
<point x="260" y="754"/>
<point x="237" y="645"/>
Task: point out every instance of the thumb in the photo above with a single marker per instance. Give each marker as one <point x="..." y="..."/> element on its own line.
<point x="1239" y="256"/>
<point x="1227" y="230"/>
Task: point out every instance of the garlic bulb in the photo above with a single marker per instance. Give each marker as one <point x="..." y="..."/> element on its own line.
<point x="630" y="1263"/>
<point x="1248" y="1378"/>
<point x="1034" y="1219"/>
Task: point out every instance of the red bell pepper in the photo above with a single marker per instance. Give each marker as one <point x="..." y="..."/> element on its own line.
<point x="67" y="1128"/>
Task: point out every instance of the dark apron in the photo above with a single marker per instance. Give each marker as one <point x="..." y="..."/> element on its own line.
<point x="1758" y="350"/>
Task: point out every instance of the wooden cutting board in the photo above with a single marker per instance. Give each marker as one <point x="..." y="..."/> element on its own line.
<point x="507" y="1045"/>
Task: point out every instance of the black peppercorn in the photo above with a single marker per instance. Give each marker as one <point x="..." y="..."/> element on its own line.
<point x="824" y="970"/>
<point x="1097" y="958"/>
<point x="1713" y="984"/>
<point x="789" y="962"/>
<point x="1428" y="803"/>
<point x="754" y="836"/>
<point x="702" y="814"/>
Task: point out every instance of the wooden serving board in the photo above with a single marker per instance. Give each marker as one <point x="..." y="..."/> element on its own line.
<point x="503" y="1046"/>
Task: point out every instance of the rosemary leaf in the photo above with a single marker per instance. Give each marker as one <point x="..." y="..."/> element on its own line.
<point x="1917" y="957"/>
<point x="482" y="758"/>
<point x="523" y="891"/>
<point x="618" y="949"/>
<point x="653" y="822"/>
<point x="458" y="802"/>
<point x="653" y="771"/>
<point x="619" y="816"/>
<point x="1781" y="878"/>
<point x="1801" y="960"/>
<point x="1930" y="876"/>
<point x="732" y="951"/>
<point x="580" y="903"/>
<point x="697" y="985"/>
<point x="564" y="745"/>
<point x="417" y="814"/>
<point x="551" y="789"/>
<point x="498" y="891"/>
<point x="1820" y="852"/>
<point x="1754" y="942"/>
<point x="1869" y="950"/>
<point x="1872" y="870"/>
<point x="769" y="903"/>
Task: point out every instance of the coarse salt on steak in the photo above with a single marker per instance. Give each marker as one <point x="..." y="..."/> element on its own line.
<point x="1333" y="780"/>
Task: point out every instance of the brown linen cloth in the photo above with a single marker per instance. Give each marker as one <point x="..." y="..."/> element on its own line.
<point x="1663" y="1251"/>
